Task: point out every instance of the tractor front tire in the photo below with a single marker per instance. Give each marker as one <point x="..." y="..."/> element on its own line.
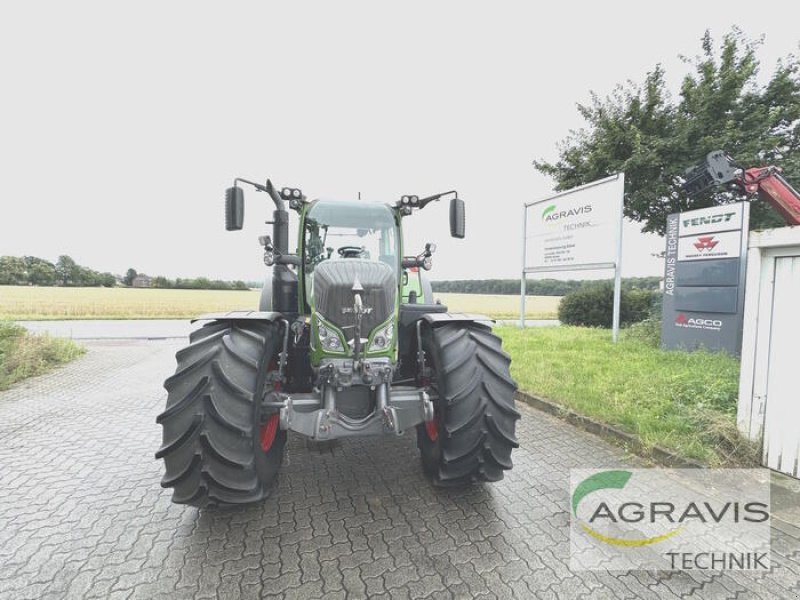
<point x="472" y="434"/>
<point x="218" y="446"/>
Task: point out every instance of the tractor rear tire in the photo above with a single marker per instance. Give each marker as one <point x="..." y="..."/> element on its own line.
<point x="472" y="434"/>
<point x="218" y="446"/>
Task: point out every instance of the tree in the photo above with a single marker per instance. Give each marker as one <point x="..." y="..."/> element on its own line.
<point x="161" y="282"/>
<point x="67" y="270"/>
<point x="107" y="280"/>
<point x="640" y="130"/>
<point x="13" y="271"/>
<point x="40" y="271"/>
<point x="129" y="277"/>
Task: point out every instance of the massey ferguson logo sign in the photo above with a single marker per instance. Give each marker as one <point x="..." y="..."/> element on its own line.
<point x="697" y="323"/>
<point x="705" y="246"/>
<point x="706" y="243"/>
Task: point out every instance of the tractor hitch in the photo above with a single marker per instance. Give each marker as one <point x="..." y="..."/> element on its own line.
<point x="316" y="416"/>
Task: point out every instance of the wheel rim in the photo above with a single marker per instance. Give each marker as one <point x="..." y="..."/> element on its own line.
<point x="268" y="432"/>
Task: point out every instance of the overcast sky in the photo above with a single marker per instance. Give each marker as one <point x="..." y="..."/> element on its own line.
<point x="121" y="125"/>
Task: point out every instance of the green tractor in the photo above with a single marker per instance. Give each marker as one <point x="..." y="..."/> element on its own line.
<point x="347" y="341"/>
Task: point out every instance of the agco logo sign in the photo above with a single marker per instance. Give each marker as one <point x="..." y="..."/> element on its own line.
<point x="696" y="323"/>
<point x="706" y="243"/>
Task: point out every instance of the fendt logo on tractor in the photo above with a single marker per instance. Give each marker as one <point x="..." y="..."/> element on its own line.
<point x="348" y="341"/>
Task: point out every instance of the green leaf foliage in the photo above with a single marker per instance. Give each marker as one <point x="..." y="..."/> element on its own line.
<point x="593" y="306"/>
<point x="641" y="130"/>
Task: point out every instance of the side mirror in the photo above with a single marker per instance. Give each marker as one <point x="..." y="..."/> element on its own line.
<point x="457" y="218"/>
<point x="234" y="209"/>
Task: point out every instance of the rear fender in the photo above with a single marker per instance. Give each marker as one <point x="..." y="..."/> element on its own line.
<point x="436" y="319"/>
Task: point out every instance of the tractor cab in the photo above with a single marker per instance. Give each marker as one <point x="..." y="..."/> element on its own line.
<point x="349" y="268"/>
<point x="346" y="230"/>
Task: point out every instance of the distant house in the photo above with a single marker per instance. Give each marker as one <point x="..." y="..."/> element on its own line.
<point x="142" y="281"/>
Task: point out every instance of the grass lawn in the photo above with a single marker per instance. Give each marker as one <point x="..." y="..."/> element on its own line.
<point x="25" y="355"/>
<point x="682" y="401"/>
<point x="20" y="303"/>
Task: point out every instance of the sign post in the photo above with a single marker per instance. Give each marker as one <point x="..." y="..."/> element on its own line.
<point x="576" y="230"/>
<point x="704" y="273"/>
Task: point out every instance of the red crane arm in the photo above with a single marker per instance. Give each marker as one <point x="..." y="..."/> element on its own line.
<point x="771" y="187"/>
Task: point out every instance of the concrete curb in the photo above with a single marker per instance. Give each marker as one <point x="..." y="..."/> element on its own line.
<point x="632" y="442"/>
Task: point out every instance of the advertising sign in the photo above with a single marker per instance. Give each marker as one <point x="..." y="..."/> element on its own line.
<point x="704" y="269"/>
<point x="711" y="220"/>
<point x="704" y="246"/>
<point x="578" y="229"/>
<point x="575" y="229"/>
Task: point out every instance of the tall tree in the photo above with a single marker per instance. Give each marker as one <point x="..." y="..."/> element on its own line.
<point x="640" y="130"/>
<point x="67" y="270"/>
<point x="129" y="277"/>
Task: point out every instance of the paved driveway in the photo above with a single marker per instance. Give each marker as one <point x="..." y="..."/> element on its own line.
<point x="82" y="513"/>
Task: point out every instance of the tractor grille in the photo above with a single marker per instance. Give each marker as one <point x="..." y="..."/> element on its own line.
<point x="333" y="291"/>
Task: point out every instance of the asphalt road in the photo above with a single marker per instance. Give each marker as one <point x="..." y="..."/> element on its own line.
<point x="82" y="514"/>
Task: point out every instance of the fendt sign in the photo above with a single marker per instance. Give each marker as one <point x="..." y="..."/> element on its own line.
<point x="704" y="278"/>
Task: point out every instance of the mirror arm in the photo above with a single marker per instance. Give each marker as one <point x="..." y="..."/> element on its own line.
<point x="269" y="189"/>
<point x="436" y="197"/>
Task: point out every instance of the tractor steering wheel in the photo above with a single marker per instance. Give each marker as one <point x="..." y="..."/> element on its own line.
<point x="350" y="251"/>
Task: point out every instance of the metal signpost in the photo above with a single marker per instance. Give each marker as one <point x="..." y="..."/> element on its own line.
<point x="704" y="272"/>
<point x="577" y="230"/>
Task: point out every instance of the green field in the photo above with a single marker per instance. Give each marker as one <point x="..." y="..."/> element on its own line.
<point x="36" y="303"/>
<point x="681" y="401"/>
<point x="501" y="307"/>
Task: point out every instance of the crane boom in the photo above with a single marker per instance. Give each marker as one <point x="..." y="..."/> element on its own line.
<point x="768" y="183"/>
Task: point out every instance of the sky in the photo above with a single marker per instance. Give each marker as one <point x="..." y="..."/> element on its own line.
<point x="121" y="124"/>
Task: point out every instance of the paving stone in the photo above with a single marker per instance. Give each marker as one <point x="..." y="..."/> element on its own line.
<point x="82" y="514"/>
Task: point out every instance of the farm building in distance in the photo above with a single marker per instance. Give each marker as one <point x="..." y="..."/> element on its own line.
<point x="142" y="281"/>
